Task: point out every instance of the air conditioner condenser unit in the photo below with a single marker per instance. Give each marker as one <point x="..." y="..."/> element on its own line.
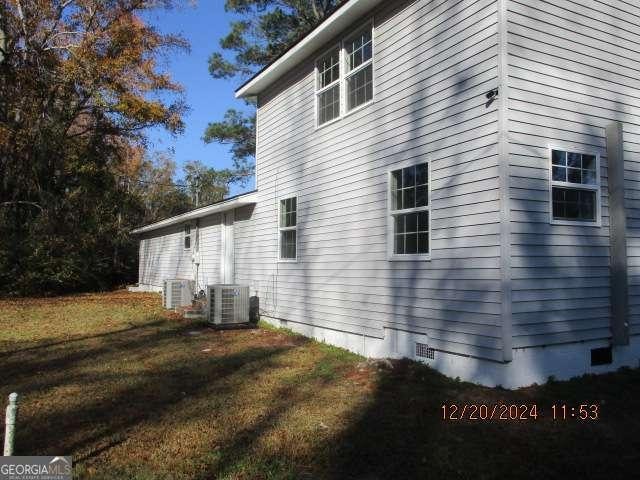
<point x="227" y="304"/>
<point x="177" y="293"/>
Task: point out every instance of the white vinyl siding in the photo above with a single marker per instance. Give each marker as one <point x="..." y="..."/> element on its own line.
<point x="430" y="88"/>
<point x="574" y="68"/>
<point x="162" y="256"/>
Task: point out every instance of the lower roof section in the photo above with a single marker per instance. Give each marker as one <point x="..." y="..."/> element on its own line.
<point x="249" y="198"/>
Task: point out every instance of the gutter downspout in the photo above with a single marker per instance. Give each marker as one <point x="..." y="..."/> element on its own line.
<point x="618" y="236"/>
<point x="195" y="258"/>
<point x="505" y="204"/>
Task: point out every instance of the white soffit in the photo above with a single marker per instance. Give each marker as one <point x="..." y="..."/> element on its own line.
<point x="316" y="39"/>
<point x="240" y="201"/>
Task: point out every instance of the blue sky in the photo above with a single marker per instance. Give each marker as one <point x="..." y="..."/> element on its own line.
<point x="208" y="98"/>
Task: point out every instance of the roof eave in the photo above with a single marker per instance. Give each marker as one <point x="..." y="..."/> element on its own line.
<point x="316" y="39"/>
<point x="240" y="201"/>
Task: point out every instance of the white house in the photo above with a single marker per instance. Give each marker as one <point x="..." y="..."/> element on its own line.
<point x="454" y="181"/>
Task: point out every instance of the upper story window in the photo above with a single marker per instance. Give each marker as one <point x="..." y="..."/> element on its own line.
<point x="187" y="237"/>
<point x="346" y="69"/>
<point x="575" y="187"/>
<point x="409" y="212"/>
<point x="288" y="226"/>
<point x="328" y="86"/>
<point x="359" y="66"/>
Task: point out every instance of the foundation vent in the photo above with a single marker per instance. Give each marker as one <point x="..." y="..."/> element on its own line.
<point x="424" y="351"/>
<point x="601" y="356"/>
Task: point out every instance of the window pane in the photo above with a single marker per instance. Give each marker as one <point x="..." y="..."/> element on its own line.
<point x="409" y="198"/>
<point x="573" y="210"/>
<point x="360" y="88"/>
<point x="423" y="243"/>
<point x="574" y="160"/>
<point x="396" y="185"/>
<point x="574" y="175"/>
<point x="411" y="230"/>
<point x="412" y="222"/>
<point x="411" y="233"/>
<point x="574" y="204"/>
<point x="398" y="247"/>
<point x="397" y="178"/>
<point x="328" y="68"/>
<point x="288" y="244"/>
<point x="559" y="210"/>
<point x="187" y="242"/>
<point x="423" y="221"/>
<point x="589" y="177"/>
<point x="559" y="174"/>
<point x="411" y="246"/>
<point x="359" y="50"/>
<point x="288" y="212"/>
<point x="422" y="196"/>
<point x="422" y="174"/>
<point x="329" y="105"/>
<point x="559" y="158"/>
<point x="283" y="212"/>
<point x="409" y="177"/>
<point x="589" y="162"/>
<point x="587" y="205"/>
<point x="574" y="168"/>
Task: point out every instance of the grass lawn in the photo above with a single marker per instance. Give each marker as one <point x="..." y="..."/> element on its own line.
<point x="130" y="392"/>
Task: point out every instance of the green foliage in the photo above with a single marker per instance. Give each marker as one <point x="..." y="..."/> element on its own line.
<point x="267" y="29"/>
<point x="149" y="180"/>
<point x="208" y="185"/>
<point x="76" y="86"/>
<point x="238" y="130"/>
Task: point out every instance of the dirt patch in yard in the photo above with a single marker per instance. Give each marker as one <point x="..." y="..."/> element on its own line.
<point x="122" y="385"/>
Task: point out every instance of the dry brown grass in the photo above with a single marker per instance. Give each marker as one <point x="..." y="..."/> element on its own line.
<point x="124" y="387"/>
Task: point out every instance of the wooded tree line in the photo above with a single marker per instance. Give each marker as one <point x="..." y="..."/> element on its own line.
<point x="80" y="83"/>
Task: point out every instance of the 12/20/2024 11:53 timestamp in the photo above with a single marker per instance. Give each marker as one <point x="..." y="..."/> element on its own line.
<point x="520" y="412"/>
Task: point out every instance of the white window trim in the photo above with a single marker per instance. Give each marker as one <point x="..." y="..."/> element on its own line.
<point x="318" y="91"/>
<point x="343" y="76"/>
<point x="394" y="257"/>
<point x="284" y="229"/>
<point x="578" y="186"/>
<point x="184" y="236"/>
<point x="368" y="25"/>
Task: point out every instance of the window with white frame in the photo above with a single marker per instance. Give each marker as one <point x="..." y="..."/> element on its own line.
<point x="410" y="211"/>
<point x="328" y="86"/>
<point x="575" y="186"/>
<point x="346" y="68"/>
<point x="187" y="237"/>
<point x="288" y="229"/>
<point x="359" y="69"/>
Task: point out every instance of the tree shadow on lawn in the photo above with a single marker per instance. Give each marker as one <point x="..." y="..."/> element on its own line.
<point x="402" y="433"/>
<point x="48" y="344"/>
<point x="84" y="397"/>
